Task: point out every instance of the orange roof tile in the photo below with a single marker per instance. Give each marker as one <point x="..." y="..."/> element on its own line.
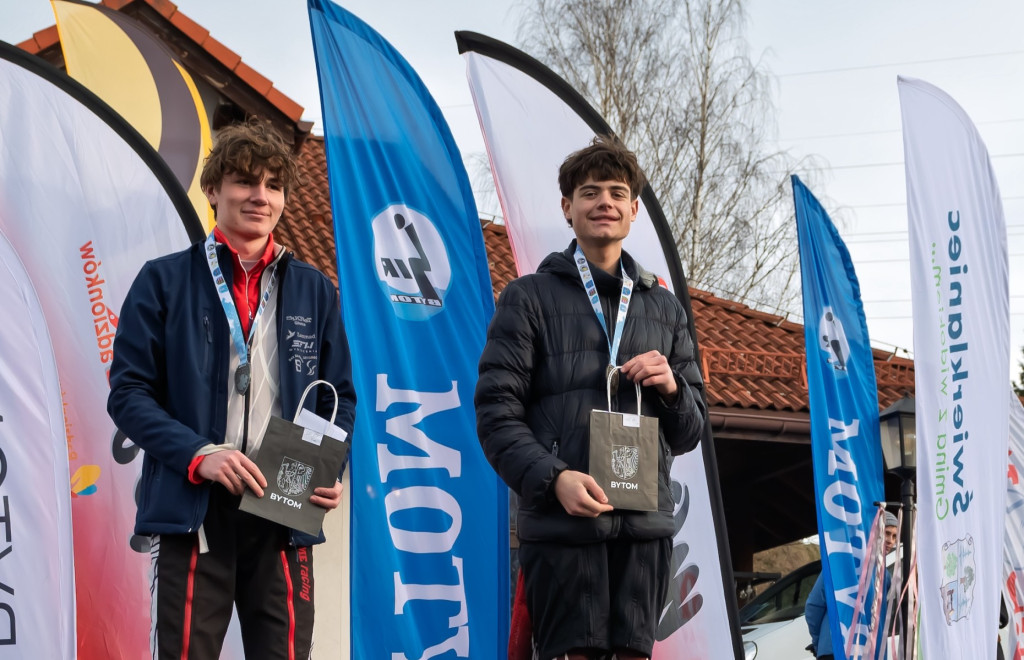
<point x="222" y="53"/>
<point x="41" y="39"/>
<point x="499" y="256"/>
<point x="253" y="79"/>
<point x="192" y="30"/>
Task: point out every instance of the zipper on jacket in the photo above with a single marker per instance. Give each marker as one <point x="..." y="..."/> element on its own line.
<point x="245" y="289"/>
<point x="245" y="414"/>
<point x="554" y="449"/>
<point x="209" y="341"/>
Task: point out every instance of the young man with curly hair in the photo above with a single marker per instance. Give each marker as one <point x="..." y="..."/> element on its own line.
<point x="213" y="341"/>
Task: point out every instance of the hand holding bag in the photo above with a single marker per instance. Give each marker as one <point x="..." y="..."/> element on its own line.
<point x="297" y="457"/>
<point x="624" y="455"/>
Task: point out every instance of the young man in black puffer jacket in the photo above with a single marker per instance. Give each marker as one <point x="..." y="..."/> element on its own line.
<point x="596" y="578"/>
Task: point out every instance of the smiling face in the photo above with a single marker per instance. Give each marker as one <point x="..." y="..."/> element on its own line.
<point x="247" y="207"/>
<point x="600" y="212"/>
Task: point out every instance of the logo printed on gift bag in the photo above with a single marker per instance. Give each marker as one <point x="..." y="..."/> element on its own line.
<point x="625" y="461"/>
<point x="293" y="477"/>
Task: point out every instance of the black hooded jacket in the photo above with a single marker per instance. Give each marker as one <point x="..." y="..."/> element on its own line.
<point x="542" y="372"/>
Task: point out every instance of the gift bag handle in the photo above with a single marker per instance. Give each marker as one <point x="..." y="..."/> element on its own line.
<point x="608" y="390"/>
<point x="302" y="400"/>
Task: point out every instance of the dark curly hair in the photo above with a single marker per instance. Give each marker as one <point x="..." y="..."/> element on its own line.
<point x="250" y="148"/>
<point x="605" y="159"/>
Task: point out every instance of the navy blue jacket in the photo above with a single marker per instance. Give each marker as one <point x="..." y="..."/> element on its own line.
<point x="169" y="376"/>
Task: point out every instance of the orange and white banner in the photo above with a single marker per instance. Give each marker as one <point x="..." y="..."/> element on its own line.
<point x="85" y="202"/>
<point x="37" y="580"/>
<point x="959" y="282"/>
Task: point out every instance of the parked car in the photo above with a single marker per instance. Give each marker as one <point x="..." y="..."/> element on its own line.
<point x="773" y="625"/>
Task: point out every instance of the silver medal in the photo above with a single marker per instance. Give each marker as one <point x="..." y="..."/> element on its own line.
<point x="242" y="378"/>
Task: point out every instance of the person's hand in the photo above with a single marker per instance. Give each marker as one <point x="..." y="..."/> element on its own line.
<point x="234" y="471"/>
<point x="651" y="369"/>
<point x="328" y="498"/>
<point x="580" y="495"/>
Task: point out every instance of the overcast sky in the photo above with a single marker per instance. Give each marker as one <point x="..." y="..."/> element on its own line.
<point x="835" y="66"/>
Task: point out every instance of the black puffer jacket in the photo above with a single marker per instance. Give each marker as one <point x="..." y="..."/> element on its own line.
<point x="543" y="371"/>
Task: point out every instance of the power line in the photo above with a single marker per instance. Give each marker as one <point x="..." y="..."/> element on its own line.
<point x="906" y="300"/>
<point x="905" y="259"/>
<point x="905" y="318"/>
<point x="903" y="232"/>
<point x="896" y="204"/>
<point x="867" y="67"/>
<point x="901" y="163"/>
<point x="903" y="238"/>
<point x="885" y="131"/>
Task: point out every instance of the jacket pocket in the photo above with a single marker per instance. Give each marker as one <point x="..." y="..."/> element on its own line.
<point x="148" y="482"/>
<point x="208" y="345"/>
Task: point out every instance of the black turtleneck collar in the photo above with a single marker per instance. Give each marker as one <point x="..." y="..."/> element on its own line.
<point x="607" y="284"/>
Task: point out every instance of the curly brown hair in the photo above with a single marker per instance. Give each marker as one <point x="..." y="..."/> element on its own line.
<point x="605" y="159"/>
<point x="250" y="148"/>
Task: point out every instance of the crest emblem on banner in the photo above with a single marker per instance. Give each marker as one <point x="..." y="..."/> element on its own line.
<point x="625" y="461"/>
<point x="293" y="477"/>
<point x="959" y="575"/>
<point x="833" y="339"/>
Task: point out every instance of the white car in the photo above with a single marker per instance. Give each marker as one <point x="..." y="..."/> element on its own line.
<point x="773" y="625"/>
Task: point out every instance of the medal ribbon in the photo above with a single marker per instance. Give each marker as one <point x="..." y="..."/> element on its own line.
<point x="595" y="302"/>
<point x="231" y="312"/>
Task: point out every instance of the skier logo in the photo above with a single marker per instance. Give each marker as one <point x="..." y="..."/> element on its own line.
<point x="833" y="340"/>
<point x="412" y="262"/>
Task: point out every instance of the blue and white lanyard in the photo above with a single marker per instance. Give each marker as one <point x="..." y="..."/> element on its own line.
<point x="242" y="374"/>
<point x="595" y="302"/>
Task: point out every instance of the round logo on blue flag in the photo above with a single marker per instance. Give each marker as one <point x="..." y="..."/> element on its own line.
<point x="833" y="340"/>
<point x="412" y="262"/>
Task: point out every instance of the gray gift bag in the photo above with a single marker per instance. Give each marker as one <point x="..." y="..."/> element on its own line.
<point x="297" y="457"/>
<point x="624" y="455"/>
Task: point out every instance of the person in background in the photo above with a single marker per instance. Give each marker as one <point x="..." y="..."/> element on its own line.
<point x="815" y="609"/>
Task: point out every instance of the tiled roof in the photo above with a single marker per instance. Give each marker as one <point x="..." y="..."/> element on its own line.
<point x="756" y="360"/>
<point x="46" y="38"/>
<point x="499" y="256"/>
<point x="307" y="226"/>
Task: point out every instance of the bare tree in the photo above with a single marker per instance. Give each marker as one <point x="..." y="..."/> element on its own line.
<point x="674" y="81"/>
